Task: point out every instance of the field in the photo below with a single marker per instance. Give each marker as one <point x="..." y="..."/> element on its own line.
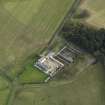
<point x="4" y="91"/>
<point x="87" y="89"/>
<point x="96" y="9"/>
<point x="26" y="27"/>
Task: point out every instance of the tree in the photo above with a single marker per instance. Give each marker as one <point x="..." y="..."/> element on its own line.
<point x="88" y="38"/>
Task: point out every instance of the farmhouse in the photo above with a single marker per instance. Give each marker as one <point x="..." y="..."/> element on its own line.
<point x="53" y="63"/>
<point x="49" y="65"/>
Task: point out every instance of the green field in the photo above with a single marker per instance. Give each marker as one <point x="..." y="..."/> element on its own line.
<point x="32" y="75"/>
<point x="87" y="89"/>
<point x="25" y="28"/>
<point x="97" y="12"/>
<point x="4" y="91"/>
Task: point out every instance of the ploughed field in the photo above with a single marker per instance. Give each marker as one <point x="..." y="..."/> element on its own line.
<point x="96" y="9"/>
<point x="25" y="28"/>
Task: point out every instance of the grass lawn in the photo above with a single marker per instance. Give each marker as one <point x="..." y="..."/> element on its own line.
<point x="96" y="9"/>
<point x="87" y="89"/>
<point x="25" y="28"/>
<point x="32" y="75"/>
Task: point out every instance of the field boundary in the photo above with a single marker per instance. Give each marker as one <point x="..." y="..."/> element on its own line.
<point x="69" y="14"/>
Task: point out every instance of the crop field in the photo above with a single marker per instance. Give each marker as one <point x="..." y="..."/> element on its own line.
<point x="25" y="28"/>
<point x="96" y="9"/>
<point x="87" y="89"/>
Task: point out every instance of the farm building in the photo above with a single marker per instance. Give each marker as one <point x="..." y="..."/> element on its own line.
<point x="49" y="65"/>
<point x="53" y="63"/>
<point x="66" y="55"/>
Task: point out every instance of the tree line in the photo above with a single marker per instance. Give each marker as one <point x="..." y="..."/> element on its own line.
<point x="88" y="38"/>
